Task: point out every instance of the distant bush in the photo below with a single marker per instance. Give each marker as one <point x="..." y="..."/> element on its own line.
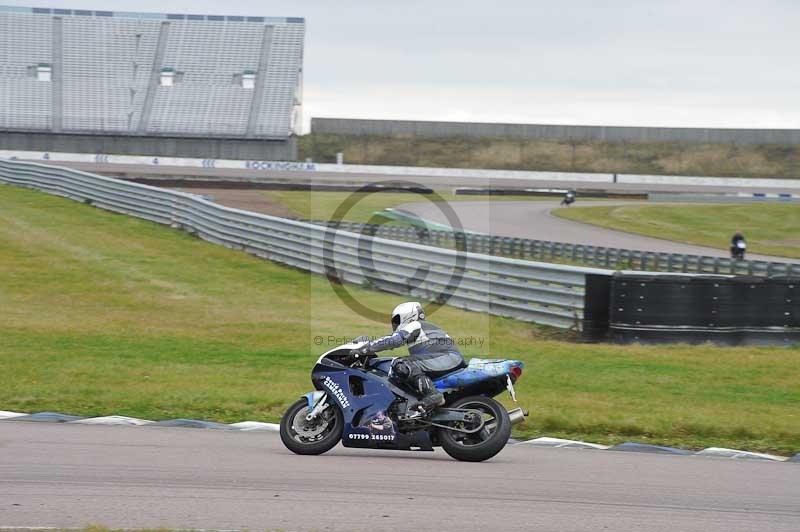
<point x="667" y="158"/>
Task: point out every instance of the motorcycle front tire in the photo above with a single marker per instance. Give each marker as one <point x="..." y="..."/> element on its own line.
<point x="323" y="445"/>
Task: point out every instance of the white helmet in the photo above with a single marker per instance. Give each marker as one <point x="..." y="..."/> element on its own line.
<point x="406" y="313"/>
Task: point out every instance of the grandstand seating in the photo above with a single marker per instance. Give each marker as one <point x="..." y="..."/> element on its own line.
<point x="231" y="76"/>
<point x="24" y="101"/>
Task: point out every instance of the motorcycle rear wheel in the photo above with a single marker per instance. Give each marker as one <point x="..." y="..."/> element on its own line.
<point x="315" y="437"/>
<point x="488" y="441"/>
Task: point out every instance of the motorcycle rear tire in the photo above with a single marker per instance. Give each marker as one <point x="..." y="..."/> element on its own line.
<point x="327" y="443"/>
<point x="487" y="448"/>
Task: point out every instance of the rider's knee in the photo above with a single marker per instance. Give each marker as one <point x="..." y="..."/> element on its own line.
<point x="401" y="369"/>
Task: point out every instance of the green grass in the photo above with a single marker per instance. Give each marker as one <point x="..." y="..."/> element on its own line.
<point x="105" y="314"/>
<point x="323" y="205"/>
<point x="770" y="228"/>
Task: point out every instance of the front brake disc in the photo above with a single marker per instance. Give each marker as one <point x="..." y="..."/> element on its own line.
<point x="308" y="429"/>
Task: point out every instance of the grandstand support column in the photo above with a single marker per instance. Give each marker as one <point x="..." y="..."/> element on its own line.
<point x="57" y="75"/>
<point x="158" y="60"/>
<point x="261" y="79"/>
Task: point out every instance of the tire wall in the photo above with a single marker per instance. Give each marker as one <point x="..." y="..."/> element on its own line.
<point x="596" y="305"/>
<point x="696" y="309"/>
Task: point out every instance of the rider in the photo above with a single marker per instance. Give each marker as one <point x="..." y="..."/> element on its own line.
<point x="735" y="239"/>
<point x="569" y="197"/>
<point x="431" y="352"/>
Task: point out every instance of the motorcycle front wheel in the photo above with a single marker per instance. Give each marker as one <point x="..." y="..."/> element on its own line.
<point x="485" y="443"/>
<point x="311" y="437"/>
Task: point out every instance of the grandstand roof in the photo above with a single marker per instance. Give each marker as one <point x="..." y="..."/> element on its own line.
<point x="153" y="16"/>
<point x="71" y="70"/>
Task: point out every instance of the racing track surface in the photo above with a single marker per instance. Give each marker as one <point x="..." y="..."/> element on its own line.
<point x="61" y="475"/>
<point x="532" y="219"/>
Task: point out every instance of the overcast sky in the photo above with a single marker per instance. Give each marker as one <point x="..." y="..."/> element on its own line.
<point x="656" y="63"/>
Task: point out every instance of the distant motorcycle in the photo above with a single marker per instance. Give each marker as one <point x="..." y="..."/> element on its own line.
<point x="738" y="250"/>
<point x="569" y="198"/>
<point x="357" y="404"/>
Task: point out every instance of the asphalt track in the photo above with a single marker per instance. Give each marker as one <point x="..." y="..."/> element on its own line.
<point x="533" y="219"/>
<point x="61" y="475"/>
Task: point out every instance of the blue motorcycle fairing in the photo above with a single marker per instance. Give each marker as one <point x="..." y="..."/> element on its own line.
<point x="478" y="369"/>
<point x="366" y="422"/>
<point x="383" y="364"/>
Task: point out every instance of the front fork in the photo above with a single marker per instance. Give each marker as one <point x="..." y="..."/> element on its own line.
<point x="317" y="402"/>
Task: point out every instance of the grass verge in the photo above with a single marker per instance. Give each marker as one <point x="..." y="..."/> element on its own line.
<point x="105" y="314"/>
<point x="770" y="228"/>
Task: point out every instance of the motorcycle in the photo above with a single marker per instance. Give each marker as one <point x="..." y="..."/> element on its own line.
<point x="737" y="251"/>
<point x="569" y="199"/>
<point x="355" y="402"/>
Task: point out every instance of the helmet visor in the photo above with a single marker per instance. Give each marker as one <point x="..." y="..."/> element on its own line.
<point x="395" y="322"/>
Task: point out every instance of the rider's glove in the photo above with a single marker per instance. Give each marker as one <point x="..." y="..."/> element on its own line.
<point x="361" y="351"/>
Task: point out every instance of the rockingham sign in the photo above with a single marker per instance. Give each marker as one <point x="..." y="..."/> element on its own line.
<point x="280" y="165"/>
<point x="103" y="158"/>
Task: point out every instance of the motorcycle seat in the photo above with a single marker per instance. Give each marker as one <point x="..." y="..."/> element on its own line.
<point x="434" y="374"/>
<point x="384" y="364"/>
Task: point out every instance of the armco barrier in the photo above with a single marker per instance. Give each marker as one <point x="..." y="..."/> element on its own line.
<point x="537" y="292"/>
<point x="595" y="256"/>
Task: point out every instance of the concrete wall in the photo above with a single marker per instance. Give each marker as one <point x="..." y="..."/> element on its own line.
<point x="346" y="126"/>
<point x="108" y="160"/>
<point x="211" y="148"/>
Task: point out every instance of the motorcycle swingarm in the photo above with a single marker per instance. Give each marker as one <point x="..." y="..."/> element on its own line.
<point x="450" y="414"/>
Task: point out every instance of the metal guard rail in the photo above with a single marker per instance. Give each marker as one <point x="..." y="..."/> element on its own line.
<point x="550" y="294"/>
<point x="595" y="256"/>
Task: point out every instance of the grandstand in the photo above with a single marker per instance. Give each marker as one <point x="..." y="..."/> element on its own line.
<point x="220" y="85"/>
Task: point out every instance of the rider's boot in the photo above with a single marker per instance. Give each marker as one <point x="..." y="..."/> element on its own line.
<point x="407" y="372"/>
<point x="431" y="397"/>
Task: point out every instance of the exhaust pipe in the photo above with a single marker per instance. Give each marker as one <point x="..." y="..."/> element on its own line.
<point x="517" y="416"/>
